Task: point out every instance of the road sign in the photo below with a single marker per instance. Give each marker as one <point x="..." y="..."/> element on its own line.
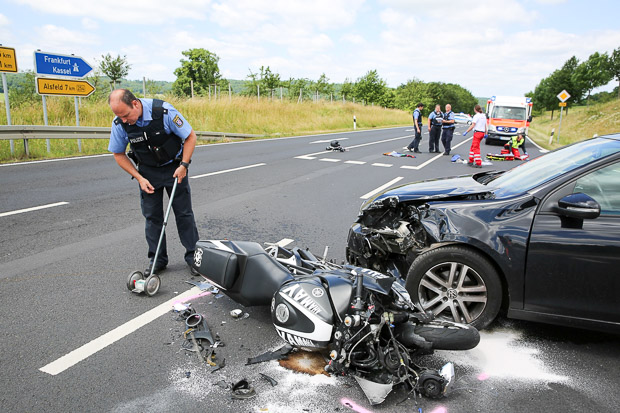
<point x="562" y="104"/>
<point x="63" y="87"/>
<point x="54" y="64"/>
<point x="8" y="61"/>
<point x="563" y="96"/>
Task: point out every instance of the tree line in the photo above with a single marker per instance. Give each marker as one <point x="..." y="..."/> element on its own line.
<point x="579" y="79"/>
<point x="199" y="75"/>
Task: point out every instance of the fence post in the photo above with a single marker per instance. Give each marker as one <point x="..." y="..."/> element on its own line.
<point x="258" y="91"/>
<point x="144" y="86"/>
<point x="191" y="85"/>
<point x="229" y="92"/>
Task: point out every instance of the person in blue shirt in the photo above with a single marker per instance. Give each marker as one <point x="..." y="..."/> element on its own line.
<point x="435" y="120"/>
<point x="162" y="143"/>
<point x="417" y="123"/>
<point x="449" y="124"/>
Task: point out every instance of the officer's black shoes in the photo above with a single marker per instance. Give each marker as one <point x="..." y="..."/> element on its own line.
<point x="446" y="153"/>
<point x="158" y="268"/>
<point x="417" y="151"/>
<point x="193" y="271"/>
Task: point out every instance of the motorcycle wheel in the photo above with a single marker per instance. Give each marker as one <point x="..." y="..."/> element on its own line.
<point x="457" y="284"/>
<point x="446" y="335"/>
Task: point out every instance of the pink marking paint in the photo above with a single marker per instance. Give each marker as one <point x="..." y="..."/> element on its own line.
<point x="440" y="409"/>
<point x="354" y="406"/>
<point x="483" y="376"/>
<point x="183" y="300"/>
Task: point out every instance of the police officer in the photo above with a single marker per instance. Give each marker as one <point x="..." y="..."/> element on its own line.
<point x="162" y="144"/>
<point x="435" y="120"/>
<point x="448" y="126"/>
<point x="417" y="123"/>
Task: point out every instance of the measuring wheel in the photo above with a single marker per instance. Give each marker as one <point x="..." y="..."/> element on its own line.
<point x="151" y="285"/>
<point x="133" y="277"/>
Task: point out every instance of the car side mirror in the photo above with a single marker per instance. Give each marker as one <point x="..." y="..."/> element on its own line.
<point x="529" y="119"/>
<point x="579" y="205"/>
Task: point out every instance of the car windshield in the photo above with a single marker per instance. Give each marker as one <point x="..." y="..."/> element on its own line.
<point x="507" y="112"/>
<point x="545" y="168"/>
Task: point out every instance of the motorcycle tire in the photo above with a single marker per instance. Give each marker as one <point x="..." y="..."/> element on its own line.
<point x="449" y="336"/>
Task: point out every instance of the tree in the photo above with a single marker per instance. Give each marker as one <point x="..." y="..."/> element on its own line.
<point x="347" y="89"/>
<point x="323" y="87"/>
<point x="23" y="91"/>
<point x="371" y="88"/>
<point x="614" y="63"/>
<point x="201" y="68"/>
<point x="297" y="87"/>
<point x="114" y="68"/>
<point x="594" y="72"/>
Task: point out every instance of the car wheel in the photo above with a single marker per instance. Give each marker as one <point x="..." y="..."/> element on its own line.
<point x="469" y="122"/>
<point x="456" y="284"/>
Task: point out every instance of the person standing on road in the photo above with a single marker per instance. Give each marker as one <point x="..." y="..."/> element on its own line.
<point x="162" y="143"/>
<point x="435" y="120"/>
<point x="449" y="123"/>
<point x="417" y="123"/>
<point x="479" y="125"/>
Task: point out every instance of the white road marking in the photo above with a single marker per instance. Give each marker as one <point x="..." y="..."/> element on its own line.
<point x="21" y="211"/>
<point x="355" y="162"/>
<point x="310" y="155"/>
<point x="383" y="165"/>
<point x="227" y="170"/>
<point x="306" y="157"/>
<point x="540" y="148"/>
<point x="381" y="188"/>
<point x="329" y="160"/>
<point x="327" y="141"/>
<point x="92" y="347"/>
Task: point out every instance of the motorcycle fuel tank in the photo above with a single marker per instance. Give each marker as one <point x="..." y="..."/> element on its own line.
<point x="302" y="314"/>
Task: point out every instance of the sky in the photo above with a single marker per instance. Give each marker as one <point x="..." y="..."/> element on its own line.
<point x="490" y="47"/>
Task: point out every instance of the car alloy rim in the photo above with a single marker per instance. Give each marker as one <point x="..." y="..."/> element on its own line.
<point x="453" y="291"/>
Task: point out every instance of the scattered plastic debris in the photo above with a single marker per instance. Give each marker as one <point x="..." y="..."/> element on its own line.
<point x="236" y="313"/>
<point x="271" y="381"/>
<point x="242" y="390"/>
<point x="188" y="374"/>
<point x="282" y="352"/>
<point x="203" y="285"/>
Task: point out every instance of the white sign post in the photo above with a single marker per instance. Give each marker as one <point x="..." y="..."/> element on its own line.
<point x="563" y="96"/>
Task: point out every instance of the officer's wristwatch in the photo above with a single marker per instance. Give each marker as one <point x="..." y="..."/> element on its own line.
<point x="186" y="164"/>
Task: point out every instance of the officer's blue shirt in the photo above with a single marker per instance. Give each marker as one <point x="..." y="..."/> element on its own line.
<point x="432" y="116"/>
<point x="450" y="117"/>
<point x="174" y="122"/>
<point x="416" y="114"/>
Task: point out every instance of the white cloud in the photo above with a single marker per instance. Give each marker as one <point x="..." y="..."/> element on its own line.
<point x="353" y="38"/>
<point x="4" y="21"/>
<point x="60" y="39"/>
<point x="133" y="11"/>
<point x="89" y="24"/>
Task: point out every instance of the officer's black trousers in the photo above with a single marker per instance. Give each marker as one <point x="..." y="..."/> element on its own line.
<point x="153" y="209"/>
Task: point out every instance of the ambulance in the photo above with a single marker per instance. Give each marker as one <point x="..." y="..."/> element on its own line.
<point x="507" y="116"/>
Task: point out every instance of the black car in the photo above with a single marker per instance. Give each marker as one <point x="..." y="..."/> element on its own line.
<point x="541" y="240"/>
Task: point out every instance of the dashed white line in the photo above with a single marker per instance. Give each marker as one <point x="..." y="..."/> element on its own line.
<point x="21" y="211"/>
<point x="355" y="162"/>
<point x="381" y="188"/>
<point x="227" y="170"/>
<point x="383" y="165"/>
<point x="329" y="160"/>
<point x="92" y="347"/>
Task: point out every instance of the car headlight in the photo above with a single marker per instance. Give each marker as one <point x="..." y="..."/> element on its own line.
<point x="520" y="130"/>
<point x="491" y="128"/>
<point x="390" y="201"/>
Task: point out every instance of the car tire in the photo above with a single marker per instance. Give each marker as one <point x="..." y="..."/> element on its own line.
<point x="472" y="298"/>
<point x="469" y="122"/>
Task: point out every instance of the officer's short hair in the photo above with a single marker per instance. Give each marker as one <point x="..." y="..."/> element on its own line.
<point x="126" y="96"/>
<point x="420" y="105"/>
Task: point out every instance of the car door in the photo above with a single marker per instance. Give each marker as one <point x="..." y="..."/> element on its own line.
<point x="573" y="265"/>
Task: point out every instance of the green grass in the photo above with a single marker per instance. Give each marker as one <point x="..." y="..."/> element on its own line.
<point x="236" y="115"/>
<point x="578" y="123"/>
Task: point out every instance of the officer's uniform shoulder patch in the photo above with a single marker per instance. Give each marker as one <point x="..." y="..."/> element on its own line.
<point x="178" y="121"/>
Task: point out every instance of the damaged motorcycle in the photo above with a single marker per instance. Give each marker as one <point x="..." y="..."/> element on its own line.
<point x="363" y="321"/>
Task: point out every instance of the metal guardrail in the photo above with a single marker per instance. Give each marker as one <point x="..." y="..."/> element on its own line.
<point x="87" y="132"/>
<point x="27" y="132"/>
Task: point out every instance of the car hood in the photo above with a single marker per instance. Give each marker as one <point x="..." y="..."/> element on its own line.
<point x="433" y="189"/>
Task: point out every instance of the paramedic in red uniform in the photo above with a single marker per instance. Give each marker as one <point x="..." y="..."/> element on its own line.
<point x="479" y="125"/>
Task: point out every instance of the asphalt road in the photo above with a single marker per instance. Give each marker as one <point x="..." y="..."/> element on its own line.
<point x="63" y="271"/>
